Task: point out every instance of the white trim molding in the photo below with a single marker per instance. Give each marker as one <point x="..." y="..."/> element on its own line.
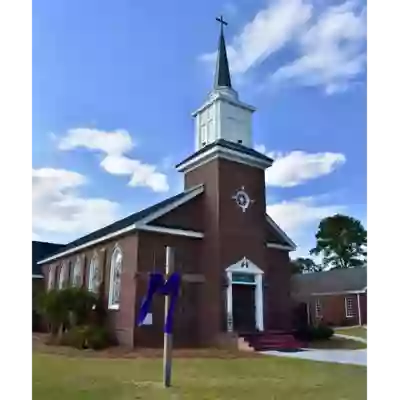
<point x="218" y="151"/>
<point x="281" y="233"/>
<point x="278" y="246"/>
<point x="229" y="95"/>
<point x="137" y="225"/>
<point x="245" y="266"/>
<point x="37" y="276"/>
<point x="171" y="231"/>
<point x="350" y="312"/>
<point x="359" y="309"/>
<point x="337" y="293"/>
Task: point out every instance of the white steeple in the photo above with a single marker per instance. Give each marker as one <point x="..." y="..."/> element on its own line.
<point x="223" y="116"/>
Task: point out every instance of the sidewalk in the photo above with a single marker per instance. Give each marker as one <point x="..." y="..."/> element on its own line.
<point x="356" y="338"/>
<point x="354" y="357"/>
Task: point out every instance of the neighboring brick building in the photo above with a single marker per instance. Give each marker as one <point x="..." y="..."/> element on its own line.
<point x="337" y="297"/>
<point x="233" y="258"/>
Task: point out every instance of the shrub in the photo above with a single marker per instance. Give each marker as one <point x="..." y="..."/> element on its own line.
<point x="98" y="338"/>
<point x="319" y="332"/>
<point x="77" y="337"/>
<point x="70" y="313"/>
<point x="52" y="307"/>
<point x="322" y="332"/>
<point x="87" y="337"/>
<point x="66" y="308"/>
<point x="80" y="303"/>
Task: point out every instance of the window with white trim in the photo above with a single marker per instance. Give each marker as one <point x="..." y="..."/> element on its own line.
<point x="63" y="280"/>
<point x="318" y="309"/>
<point x="94" y="274"/>
<point x="350" y="309"/>
<point x="51" y="277"/>
<point x="115" y="279"/>
<point x="77" y="272"/>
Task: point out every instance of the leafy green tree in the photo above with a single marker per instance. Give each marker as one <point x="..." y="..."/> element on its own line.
<point x="66" y="308"/>
<point x="303" y="265"/>
<point x="54" y="310"/>
<point x="342" y="242"/>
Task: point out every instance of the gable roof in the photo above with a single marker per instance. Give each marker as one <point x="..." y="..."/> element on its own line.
<point x="329" y="282"/>
<point x="129" y="223"/>
<point x="230" y="146"/>
<point x="283" y="237"/>
<point x="41" y="250"/>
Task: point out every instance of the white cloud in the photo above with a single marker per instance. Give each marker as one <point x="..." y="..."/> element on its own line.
<point x="298" y="167"/>
<point x="271" y="29"/>
<point x="115" y="145"/>
<point x="330" y="41"/>
<point x="332" y="51"/>
<point x="294" y="216"/>
<point x="58" y="208"/>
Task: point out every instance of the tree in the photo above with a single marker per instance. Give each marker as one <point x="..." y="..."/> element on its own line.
<point x="342" y="241"/>
<point x="301" y="265"/>
<point x="65" y="308"/>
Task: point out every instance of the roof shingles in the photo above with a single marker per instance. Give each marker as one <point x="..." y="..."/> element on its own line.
<point x="333" y="281"/>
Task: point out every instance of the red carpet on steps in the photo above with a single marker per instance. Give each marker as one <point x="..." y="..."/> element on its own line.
<point x="273" y="340"/>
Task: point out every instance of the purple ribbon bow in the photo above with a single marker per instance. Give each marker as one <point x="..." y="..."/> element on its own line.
<point x="168" y="288"/>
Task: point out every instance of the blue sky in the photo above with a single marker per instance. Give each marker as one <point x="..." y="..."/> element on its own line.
<point x="114" y="83"/>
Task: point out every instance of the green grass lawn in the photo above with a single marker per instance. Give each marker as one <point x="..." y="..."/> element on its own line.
<point x="58" y="377"/>
<point x="338" y="344"/>
<point x="356" y="331"/>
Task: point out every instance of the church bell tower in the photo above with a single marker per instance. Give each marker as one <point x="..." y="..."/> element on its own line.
<point x="223" y="124"/>
<point x="233" y="201"/>
<point x="223" y="115"/>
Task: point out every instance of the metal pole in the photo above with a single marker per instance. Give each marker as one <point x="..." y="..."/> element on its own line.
<point x="169" y="269"/>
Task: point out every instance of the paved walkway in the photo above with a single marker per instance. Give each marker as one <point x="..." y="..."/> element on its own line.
<point x="355" y="357"/>
<point x="356" y="338"/>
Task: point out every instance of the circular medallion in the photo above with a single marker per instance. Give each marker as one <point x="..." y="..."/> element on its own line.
<point x="242" y="199"/>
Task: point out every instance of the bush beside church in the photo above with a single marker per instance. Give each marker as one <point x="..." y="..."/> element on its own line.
<point x="75" y="317"/>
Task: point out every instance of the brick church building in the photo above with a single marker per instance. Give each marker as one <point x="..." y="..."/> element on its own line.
<point x="233" y="258"/>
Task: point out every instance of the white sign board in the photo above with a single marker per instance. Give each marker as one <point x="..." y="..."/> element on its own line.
<point x="148" y="320"/>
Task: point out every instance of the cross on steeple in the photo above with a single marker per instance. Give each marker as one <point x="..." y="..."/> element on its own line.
<point x="221" y="21"/>
<point x="222" y="75"/>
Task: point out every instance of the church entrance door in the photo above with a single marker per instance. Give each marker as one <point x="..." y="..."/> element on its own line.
<point x="243" y="302"/>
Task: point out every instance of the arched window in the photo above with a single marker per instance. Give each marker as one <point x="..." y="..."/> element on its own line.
<point x="77" y="272"/>
<point x="94" y="274"/>
<point x="51" y="276"/>
<point x="62" y="282"/>
<point x="115" y="279"/>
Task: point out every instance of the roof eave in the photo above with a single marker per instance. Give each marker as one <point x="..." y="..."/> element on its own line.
<point x="138" y="225"/>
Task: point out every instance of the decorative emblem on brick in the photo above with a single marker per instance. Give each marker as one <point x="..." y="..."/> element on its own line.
<point x="242" y="199"/>
<point x="244" y="263"/>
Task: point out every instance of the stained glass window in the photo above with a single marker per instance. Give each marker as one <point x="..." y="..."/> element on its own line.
<point x="115" y="278"/>
<point x="94" y="274"/>
<point x="50" y="282"/>
<point x="62" y="283"/>
<point x="77" y="272"/>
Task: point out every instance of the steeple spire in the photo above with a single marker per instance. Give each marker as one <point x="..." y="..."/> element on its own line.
<point x="222" y="77"/>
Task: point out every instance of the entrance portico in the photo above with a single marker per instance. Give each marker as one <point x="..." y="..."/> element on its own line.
<point x="245" y="280"/>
